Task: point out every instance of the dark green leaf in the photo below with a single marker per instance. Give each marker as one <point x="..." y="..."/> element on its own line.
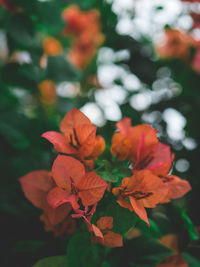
<point x="59" y="69"/>
<point x="107" y="176"/>
<point x="32" y="72"/>
<point x="56" y="261"/>
<point x="20" y="28"/>
<point x="192" y="262"/>
<point x="81" y="252"/>
<point x="28" y="245"/>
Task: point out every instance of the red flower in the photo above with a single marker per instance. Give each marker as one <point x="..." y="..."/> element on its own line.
<point x="103" y="235"/>
<point x="73" y="183"/>
<point x="78" y="138"/>
<point x="143" y="190"/>
<point x="36" y="186"/>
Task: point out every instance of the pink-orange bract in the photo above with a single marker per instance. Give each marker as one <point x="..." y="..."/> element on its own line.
<point x="78" y="138"/>
<point x="142" y="190"/>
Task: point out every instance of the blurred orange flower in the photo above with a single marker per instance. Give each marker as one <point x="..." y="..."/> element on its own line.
<point x="47" y="92"/>
<point x="86" y="29"/>
<point x="176" y="44"/>
<point x="52" y="47"/>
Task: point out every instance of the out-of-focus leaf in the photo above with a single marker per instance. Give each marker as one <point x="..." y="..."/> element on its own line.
<point x="56" y="261"/>
<point x="81" y="252"/>
<point x="21" y="29"/>
<point x="107" y="176"/>
<point x="192" y="262"/>
<point x="32" y="72"/>
<point x="59" y="69"/>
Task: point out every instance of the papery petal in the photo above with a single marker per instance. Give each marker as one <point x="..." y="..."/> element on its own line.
<point x="177" y="187"/>
<point x="124" y="126"/>
<point x="105" y="223"/>
<point x="99" y="146"/>
<point x="35" y="186"/>
<point x="174" y="261"/>
<point x="91" y="188"/>
<point x="98" y="236"/>
<point x="136" y="133"/>
<point x="58" y="196"/>
<point x="58" y="214"/>
<point x="121" y="146"/>
<point x="162" y="161"/>
<point x="65" y="169"/>
<point x="170" y="241"/>
<point x="59" y="142"/>
<point x="124" y="203"/>
<point x="139" y="209"/>
<point x="73" y="119"/>
<point x="86" y="135"/>
<point x="112" y="240"/>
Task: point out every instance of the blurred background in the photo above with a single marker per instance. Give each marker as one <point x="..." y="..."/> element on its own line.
<point x="110" y="59"/>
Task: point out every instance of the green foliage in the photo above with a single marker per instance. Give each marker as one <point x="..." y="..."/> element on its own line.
<point x="55" y="261"/>
<point x="81" y="253"/>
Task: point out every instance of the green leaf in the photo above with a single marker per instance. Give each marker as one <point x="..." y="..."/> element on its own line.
<point x="56" y="261"/>
<point x="107" y="176"/>
<point x="59" y="69"/>
<point x="192" y="262"/>
<point x="29" y="245"/>
<point x="81" y="252"/>
<point x="32" y="72"/>
<point x="189" y="226"/>
<point x="20" y="28"/>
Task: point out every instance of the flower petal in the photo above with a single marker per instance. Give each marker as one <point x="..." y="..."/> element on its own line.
<point x="59" y="142"/>
<point x="35" y="186"/>
<point x="58" y="214"/>
<point x="58" y="196"/>
<point x="121" y="146"/>
<point x="105" y="223"/>
<point x="124" y="126"/>
<point x="91" y="188"/>
<point x="73" y="119"/>
<point x="65" y="169"/>
<point x="112" y="240"/>
<point x="177" y="187"/>
<point x="139" y="209"/>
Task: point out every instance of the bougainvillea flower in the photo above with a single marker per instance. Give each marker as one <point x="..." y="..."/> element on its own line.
<point x="74" y="183"/>
<point x="47" y="92"/>
<point x="36" y="186"/>
<point x="171" y="241"/>
<point x="176" y="44"/>
<point x="125" y="142"/>
<point x="78" y="137"/>
<point x="159" y="160"/>
<point x="196" y="59"/>
<point x="103" y="235"/>
<point x="143" y="190"/>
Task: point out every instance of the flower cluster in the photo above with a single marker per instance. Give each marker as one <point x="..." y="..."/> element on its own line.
<point x="151" y="182"/>
<point x="180" y="44"/>
<point x="85" y="29"/>
<point x="73" y="189"/>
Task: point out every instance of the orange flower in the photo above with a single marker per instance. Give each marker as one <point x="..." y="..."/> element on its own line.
<point x="125" y="143"/>
<point x="36" y="186"/>
<point x="171" y="241"/>
<point x="176" y="44"/>
<point x="47" y="92"/>
<point x="52" y="47"/>
<point x="78" y="138"/>
<point x="143" y="190"/>
<point x="73" y="183"/>
<point x="103" y="235"/>
<point x="85" y="27"/>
